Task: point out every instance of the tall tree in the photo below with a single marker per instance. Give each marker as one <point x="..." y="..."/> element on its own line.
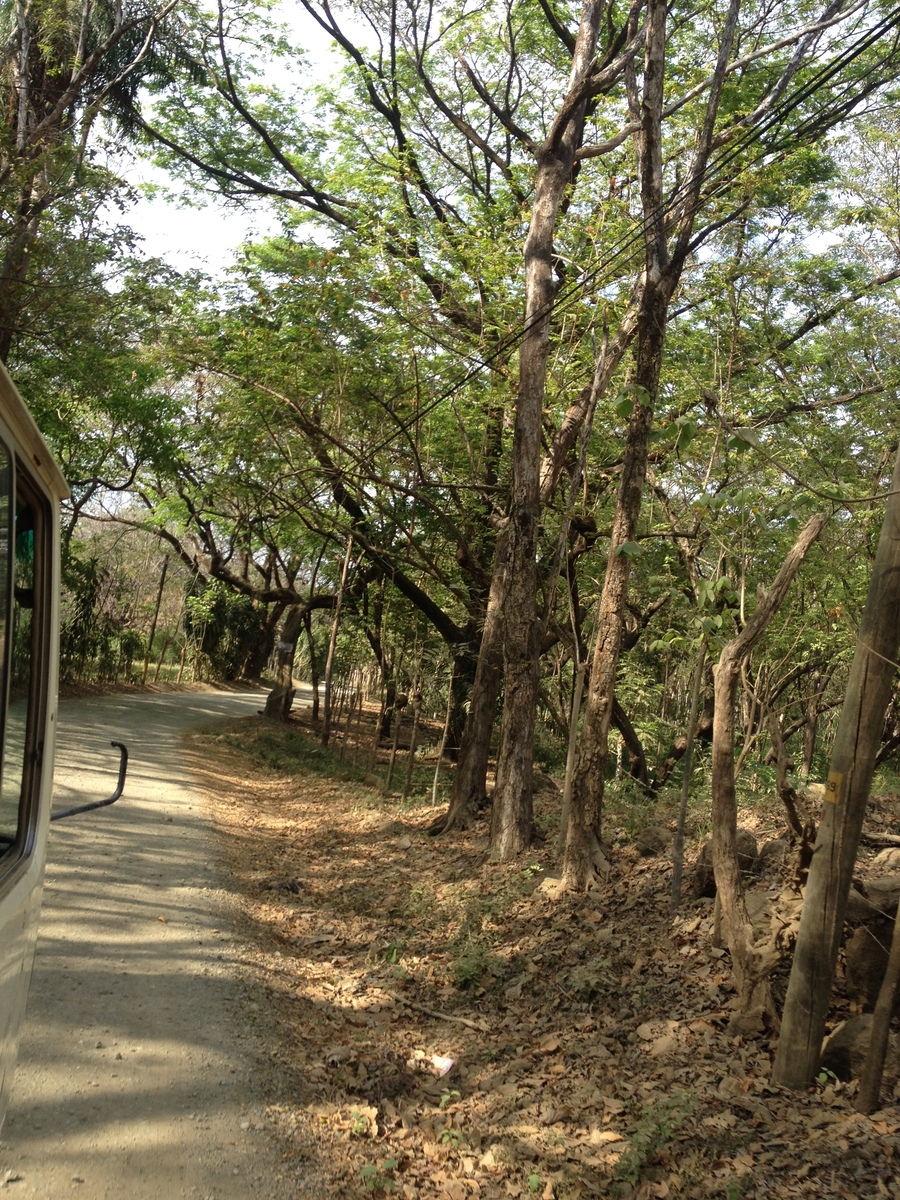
<point x="61" y="67"/>
<point x="847" y="793"/>
<point x="465" y="134"/>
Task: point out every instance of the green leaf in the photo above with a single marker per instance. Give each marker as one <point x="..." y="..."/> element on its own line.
<point x="630" y="550"/>
<point x="624" y="406"/>
<point x="686" y="431"/>
<point x="748" y="436"/>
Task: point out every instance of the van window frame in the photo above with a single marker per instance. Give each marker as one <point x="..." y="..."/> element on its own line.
<point x="16" y="858"/>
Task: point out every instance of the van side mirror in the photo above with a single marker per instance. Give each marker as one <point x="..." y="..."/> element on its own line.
<point x="82" y="808"/>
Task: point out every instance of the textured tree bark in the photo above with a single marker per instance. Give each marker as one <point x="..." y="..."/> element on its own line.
<point x="259" y="654"/>
<point x="583" y="853"/>
<point x="678" y="749"/>
<point x="470" y="777"/>
<point x="751" y="964"/>
<point x="852" y="764"/>
<point x="870" y="1081"/>
<point x="462" y="684"/>
<point x="332" y="642"/>
<point x="511" y="825"/>
<point x="313" y="665"/>
<point x="786" y="793"/>
<point x="281" y="697"/>
<point x="662" y="271"/>
<point x="678" y="848"/>
<point x="637" y="768"/>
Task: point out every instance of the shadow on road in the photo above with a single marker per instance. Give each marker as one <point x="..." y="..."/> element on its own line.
<point x="135" y="1062"/>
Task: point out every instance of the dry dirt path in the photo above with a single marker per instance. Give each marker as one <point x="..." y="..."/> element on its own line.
<point x="136" y="1080"/>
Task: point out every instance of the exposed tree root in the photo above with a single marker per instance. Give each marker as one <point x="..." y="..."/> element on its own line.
<point x="462" y="816"/>
<point x="588" y="869"/>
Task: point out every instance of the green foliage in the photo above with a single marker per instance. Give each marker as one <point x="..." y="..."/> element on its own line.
<point x="393" y="952"/>
<point x="95" y="640"/>
<point x="226" y="625"/>
<point x="380" y="1178"/>
<point x="591" y="981"/>
<point x="736" y="1188"/>
<point x="657" y="1125"/>
<point x="471" y="962"/>
<point x="325" y="388"/>
<point x="359" y="1124"/>
<point x="288" y="750"/>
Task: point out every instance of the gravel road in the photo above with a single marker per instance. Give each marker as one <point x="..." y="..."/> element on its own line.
<point x="135" y="1079"/>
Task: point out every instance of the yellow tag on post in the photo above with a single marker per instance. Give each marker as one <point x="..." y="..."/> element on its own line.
<point x="833" y="787"/>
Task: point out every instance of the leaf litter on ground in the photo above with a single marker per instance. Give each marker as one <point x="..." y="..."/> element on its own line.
<point x="439" y="1026"/>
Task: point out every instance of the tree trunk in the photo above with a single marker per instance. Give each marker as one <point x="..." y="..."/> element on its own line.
<point x="441" y="747"/>
<point x="571" y="753"/>
<point x="411" y="760"/>
<point x="281" y="697"/>
<point x="152" y="634"/>
<point x="511" y="825"/>
<point x="167" y="641"/>
<point x="812" y="722"/>
<point x="462" y="684"/>
<point x="470" y="777"/>
<point x="313" y="665"/>
<point x="638" y="760"/>
<point x="870" y="1081"/>
<point x="332" y="641"/>
<point x="678" y="848"/>
<point x="786" y="793"/>
<point x="374" y="636"/>
<point x="850" y="777"/>
<point x="662" y="271"/>
<point x="583" y="853"/>
<point x="259" y="654"/>
<point x="388" y="708"/>
<point x="14" y="293"/>
<point x="751" y="964"/>
<point x="398" y="723"/>
<point x="678" y="749"/>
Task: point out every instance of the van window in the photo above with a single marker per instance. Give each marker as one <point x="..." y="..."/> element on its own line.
<point x="9" y="803"/>
<point x="20" y="622"/>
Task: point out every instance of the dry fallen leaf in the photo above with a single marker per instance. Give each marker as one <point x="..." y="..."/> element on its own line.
<point x="647" y="1053"/>
<point x="602" y="1137"/>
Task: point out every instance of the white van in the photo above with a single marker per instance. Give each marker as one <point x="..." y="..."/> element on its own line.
<point x="31" y="489"/>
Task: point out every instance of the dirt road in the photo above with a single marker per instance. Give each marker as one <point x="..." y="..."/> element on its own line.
<point x="136" y="1080"/>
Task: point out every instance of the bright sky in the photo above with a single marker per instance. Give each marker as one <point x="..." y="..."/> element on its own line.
<point x="204" y="238"/>
<point x="207" y="237"/>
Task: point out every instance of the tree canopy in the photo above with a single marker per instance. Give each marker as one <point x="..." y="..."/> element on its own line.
<point x="576" y="319"/>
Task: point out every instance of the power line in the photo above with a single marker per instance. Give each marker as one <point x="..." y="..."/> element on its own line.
<point x="713" y="172"/>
